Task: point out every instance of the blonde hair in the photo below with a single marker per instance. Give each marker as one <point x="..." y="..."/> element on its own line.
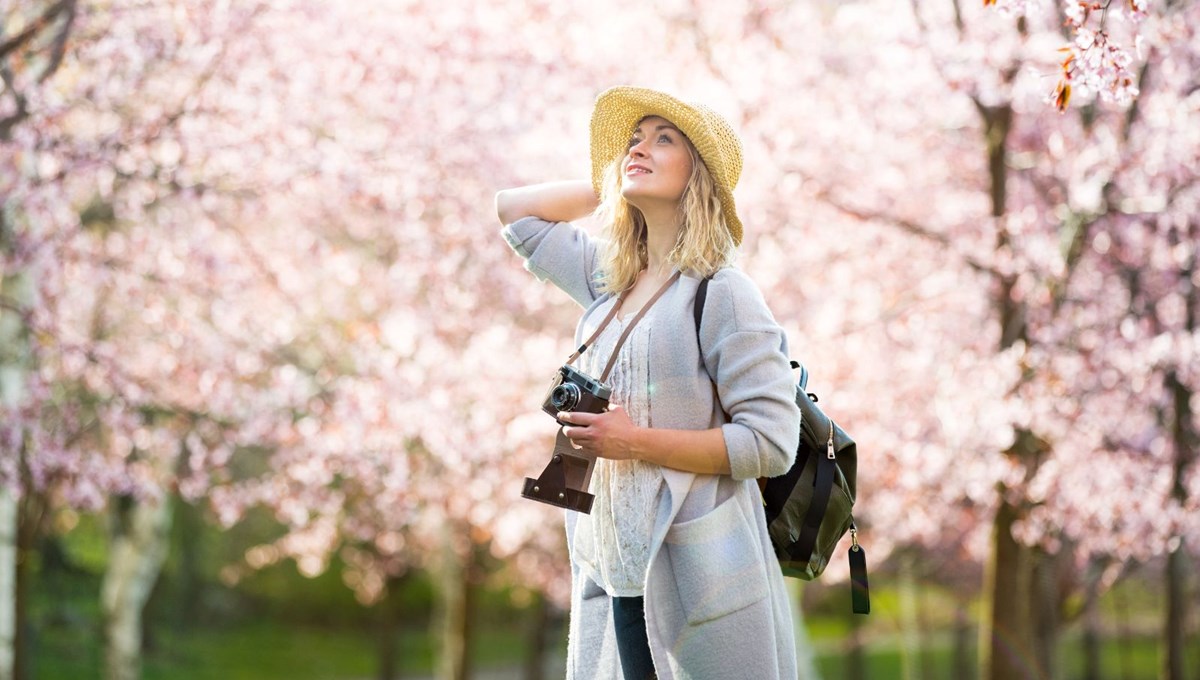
<point x="704" y="244"/>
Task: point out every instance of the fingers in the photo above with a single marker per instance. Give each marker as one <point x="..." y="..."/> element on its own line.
<point x="576" y="418"/>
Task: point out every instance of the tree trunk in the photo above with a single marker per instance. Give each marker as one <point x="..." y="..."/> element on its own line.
<point x="1174" y="637"/>
<point x="1124" y="635"/>
<point x="539" y="628"/>
<point x="961" y="666"/>
<point x="138" y="545"/>
<point x="1091" y="624"/>
<point x="1004" y="649"/>
<point x="31" y="514"/>
<point x="929" y="666"/>
<point x="8" y="582"/>
<point x="806" y="665"/>
<point x="17" y="293"/>
<point x="910" y="630"/>
<point x="390" y="629"/>
<point x="856" y="658"/>
<point x="1185" y="440"/>
<point x="1044" y="608"/>
<point x="456" y="601"/>
<point x="189" y="549"/>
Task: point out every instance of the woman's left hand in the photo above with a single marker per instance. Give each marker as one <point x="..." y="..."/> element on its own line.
<point x="605" y="435"/>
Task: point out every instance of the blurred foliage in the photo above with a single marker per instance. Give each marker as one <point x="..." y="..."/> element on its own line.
<point x="276" y="623"/>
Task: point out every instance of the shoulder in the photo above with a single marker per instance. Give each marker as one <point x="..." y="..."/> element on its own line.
<point x="736" y="283"/>
<point x="737" y="300"/>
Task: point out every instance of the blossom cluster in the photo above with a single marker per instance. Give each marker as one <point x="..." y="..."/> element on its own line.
<point x="1095" y="64"/>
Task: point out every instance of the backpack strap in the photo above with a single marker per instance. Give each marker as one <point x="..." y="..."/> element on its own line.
<point x="802" y="549"/>
<point x="698" y="308"/>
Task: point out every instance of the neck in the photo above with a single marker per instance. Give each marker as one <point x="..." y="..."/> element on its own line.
<point x="662" y="232"/>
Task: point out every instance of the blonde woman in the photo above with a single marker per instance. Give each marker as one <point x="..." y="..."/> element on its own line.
<point x="673" y="575"/>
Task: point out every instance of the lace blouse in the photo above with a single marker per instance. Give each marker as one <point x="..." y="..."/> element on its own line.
<point x="613" y="542"/>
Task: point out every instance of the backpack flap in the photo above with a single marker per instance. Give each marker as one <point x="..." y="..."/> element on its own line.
<point x="809" y="508"/>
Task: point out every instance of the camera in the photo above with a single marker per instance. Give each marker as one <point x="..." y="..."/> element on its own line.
<point x="565" y="480"/>
<point x="572" y="390"/>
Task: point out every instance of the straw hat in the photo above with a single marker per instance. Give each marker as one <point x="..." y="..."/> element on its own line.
<point x="617" y="113"/>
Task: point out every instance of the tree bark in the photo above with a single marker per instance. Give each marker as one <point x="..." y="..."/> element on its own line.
<point x="31" y="514"/>
<point x="910" y="630"/>
<point x="188" y="593"/>
<point x="390" y="630"/>
<point x="1124" y="635"/>
<point x="16" y="298"/>
<point x="454" y="620"/>
<point x="856" y="658"/>
<point x="1091" y="624"/>
<point x="1186" y="442"/>
<point x="1004" y="649"/>
<point x="139" y="539"/>
<point x="806" y="665"/>
<point x="8" y="582"/>
<point x="961" y="666"/>
<point x="539" y="629"/>
<point x="1044" y="608"/>
<point x="1174" y="638"/>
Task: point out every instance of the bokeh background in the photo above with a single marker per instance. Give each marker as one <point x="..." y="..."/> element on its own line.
<point x="269" y="376"/>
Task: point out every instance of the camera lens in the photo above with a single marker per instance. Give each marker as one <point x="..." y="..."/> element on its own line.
<point x="565" y="397"/>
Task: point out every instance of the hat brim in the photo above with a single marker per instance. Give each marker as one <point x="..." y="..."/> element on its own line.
<point x="619" y="109"/>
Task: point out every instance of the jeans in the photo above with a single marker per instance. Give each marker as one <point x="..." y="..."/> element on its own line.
<point x="633" y="645"/>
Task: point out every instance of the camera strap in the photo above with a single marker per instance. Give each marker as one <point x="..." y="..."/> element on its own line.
<point x="612" y="360"/>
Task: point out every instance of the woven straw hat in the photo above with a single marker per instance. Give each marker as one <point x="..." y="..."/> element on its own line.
<point x="617" y="113"/>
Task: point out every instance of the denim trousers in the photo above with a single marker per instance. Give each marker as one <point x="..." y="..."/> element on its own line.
<point x="633" y="644"/>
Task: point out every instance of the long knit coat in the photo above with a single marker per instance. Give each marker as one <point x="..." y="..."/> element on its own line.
<point x="716" y="606"/>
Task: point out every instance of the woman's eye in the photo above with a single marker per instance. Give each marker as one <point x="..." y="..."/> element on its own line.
<point x="664" y="136"/>
<point x="631" y="143"/>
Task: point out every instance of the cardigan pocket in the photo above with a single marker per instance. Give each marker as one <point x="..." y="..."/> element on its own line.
<point x="716" y="563"/>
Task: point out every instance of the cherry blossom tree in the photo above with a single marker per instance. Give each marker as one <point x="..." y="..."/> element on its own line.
<point x="263" y="234"/>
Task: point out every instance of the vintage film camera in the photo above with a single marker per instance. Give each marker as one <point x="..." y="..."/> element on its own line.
<point x="571" y="390"/>
<point x="565" y="479"/>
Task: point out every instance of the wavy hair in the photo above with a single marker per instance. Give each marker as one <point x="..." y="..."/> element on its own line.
<point x="704" y="244"/>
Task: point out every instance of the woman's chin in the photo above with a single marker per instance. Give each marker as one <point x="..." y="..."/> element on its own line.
<point x="638" y="196"/>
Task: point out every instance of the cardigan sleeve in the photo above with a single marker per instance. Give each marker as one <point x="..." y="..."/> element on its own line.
<point x="745" y="351"/>
<point x="558" y="252"/>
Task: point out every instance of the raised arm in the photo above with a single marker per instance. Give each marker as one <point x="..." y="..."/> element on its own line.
<point x="562" y="201"/>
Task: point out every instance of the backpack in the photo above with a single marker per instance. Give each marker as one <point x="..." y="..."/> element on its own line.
<point x="809" y="507"/>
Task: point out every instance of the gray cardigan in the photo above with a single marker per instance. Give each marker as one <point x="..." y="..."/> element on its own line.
<point x="716" y="606"/>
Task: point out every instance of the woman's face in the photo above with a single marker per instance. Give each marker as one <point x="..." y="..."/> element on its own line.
<point x="657" y="165"/>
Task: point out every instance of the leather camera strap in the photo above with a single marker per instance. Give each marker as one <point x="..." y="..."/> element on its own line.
<point x="612" y="360"/>
<point x="599" y="329"/>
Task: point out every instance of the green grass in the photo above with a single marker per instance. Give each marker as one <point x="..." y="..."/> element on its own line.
<point x="276" y="624"/>
<point x="1132" y="659"/>
<point x="268" y="651"/>
<point x="263" y="650"/>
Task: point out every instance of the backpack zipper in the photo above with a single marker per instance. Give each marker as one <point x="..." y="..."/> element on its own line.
<point x="829" y="445"/>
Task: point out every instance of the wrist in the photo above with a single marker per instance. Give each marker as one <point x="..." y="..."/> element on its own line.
<point x="639" y="443"/>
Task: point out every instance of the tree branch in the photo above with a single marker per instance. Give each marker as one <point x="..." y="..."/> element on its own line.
<point x="904" y="225"/>
<point x="19" y="40"/>
<point x="59" y="49"/>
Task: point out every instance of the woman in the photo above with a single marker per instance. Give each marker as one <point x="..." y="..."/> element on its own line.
<point x="673" y="575"/>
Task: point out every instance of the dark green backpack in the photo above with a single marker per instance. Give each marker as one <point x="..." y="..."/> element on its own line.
<point x="809" y="507"/>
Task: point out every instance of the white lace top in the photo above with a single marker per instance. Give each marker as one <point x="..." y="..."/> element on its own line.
<point x="613" y="542"/>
